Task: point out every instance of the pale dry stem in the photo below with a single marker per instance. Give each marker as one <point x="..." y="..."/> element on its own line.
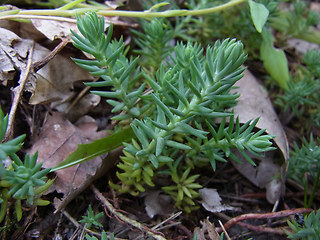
<point x="18" y="93"/>
<point x="124" y="218"/>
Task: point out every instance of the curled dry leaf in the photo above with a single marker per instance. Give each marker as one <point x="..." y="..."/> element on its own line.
<point x="55" y="29"/>
<point x="157" y="203"/>
<point x="207" y="227"/>
<point x="6" y="68"/>
<point x="269" y="172"/>
<point x="57" y="139"/>
<point x="13" y="54"/>
<point x="53" y="82"/>
<point x="211" y="201"/>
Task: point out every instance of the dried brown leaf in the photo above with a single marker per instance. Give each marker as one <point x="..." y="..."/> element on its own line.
<point x="253" y="103"/>
<point x="54" y="29"/>
<point x="207" y="227"/>
<point x="57" y="139"/>
<point x="53" y="82"/>
<point x="13" y="54"/>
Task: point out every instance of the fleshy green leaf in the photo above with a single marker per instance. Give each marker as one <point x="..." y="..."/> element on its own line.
<point x="274" y="60"/>
<point x="259" y="14"/>
<point x="85" y="152"/>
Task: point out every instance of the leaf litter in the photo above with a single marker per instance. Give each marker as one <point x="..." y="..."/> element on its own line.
<point x="58" y="139"/>
<point x="253" y="103"/>
<point x="53" y="82"/>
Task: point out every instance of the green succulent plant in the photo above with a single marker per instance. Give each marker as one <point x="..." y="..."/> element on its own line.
<point x="302" y="97"/>
<point x="9" y="147"/>
<point x="19" y="180"/>
<point x="308" y="229"/>
<point x="305" y="161"/>
<point x="103" y="236"/>
<point x="181" y="111"/>
<point x="91" y="218"/>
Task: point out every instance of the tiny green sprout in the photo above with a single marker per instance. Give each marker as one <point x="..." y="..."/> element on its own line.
<point x="103" y="236"/>
<point x="91" y="218"/>
<point x="9" y="147"/>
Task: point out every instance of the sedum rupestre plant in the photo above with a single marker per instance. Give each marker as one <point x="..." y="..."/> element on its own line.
<point x="19" y="180"/>
<point x="305" y="165"/>
<point x="302" y="97"/>
<point x="181" y="112"/>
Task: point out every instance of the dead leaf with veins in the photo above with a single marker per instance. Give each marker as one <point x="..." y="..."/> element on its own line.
<point x="269" y="172"/>
<point x="53" y="82"/>
<point x="13" y="54"/>
<point x="59" y="138"/>
<point x="55" y="29"/>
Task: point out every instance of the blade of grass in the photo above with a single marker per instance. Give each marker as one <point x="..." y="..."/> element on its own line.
<point x="85" y="152"/>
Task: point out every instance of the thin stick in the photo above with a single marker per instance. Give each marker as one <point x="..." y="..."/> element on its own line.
<point x="224" y="230"/>
<point x="71" y="219"/>
<point x="40" y="64"/>
<point x="173" y="216"/>
<point x="123" y="217"/>
<point x="18" y="93"/>
<point x="262" y="229"/>
<point x="79" y="96"/>
<point x="283" y="213"/>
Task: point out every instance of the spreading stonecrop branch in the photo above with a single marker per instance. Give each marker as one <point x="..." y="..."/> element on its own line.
<point x="185" y="114"/>
<point x="19" y="180"/>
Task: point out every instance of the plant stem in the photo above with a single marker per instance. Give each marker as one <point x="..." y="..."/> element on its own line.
<point x="314" y="188"/>
<point x="305" y="183"/>
<point x="139" y="14"/>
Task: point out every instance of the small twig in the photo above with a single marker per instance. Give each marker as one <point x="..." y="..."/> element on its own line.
<point x="71" y="219"/>
<point x="18" y="92"/>
<point x="132" y="222"/>
<point x="114" y="197"/>
<point x="123" y="13"/>
<point x="40" y="64"/>
<point x="173" y="216"/>
<point x="79" y="96"/>
<point x="279" y="214"/>
<point x="224" y="230"/>
<point x="261" y="228"/>
<point x="185" y="230"/>
<point x="173" y="224"/>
